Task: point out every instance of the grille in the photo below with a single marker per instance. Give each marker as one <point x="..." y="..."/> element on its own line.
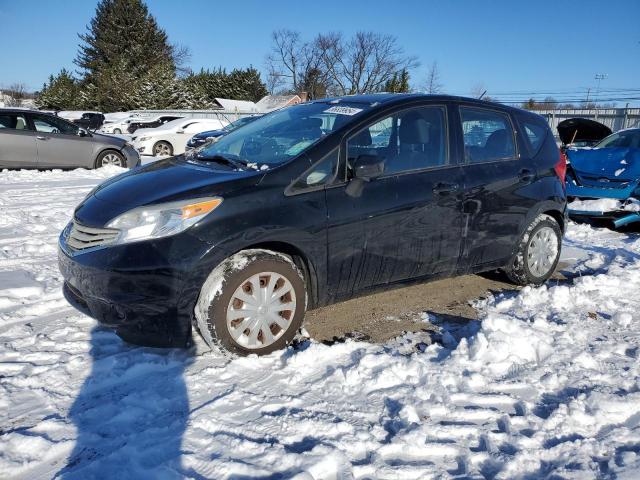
<point x="81" y="236"/>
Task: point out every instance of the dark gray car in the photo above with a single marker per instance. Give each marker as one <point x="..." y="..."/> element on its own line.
<point x="33" y="139"/>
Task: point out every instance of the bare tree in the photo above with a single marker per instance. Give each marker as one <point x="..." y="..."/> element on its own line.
<point x="17" y="92"/>
<point x="297" y="64"/>
<point x="433" y="83"/>
<point x="331" y="64"/>
<point x="181" y="55"/>
<point x="363" y="63"/>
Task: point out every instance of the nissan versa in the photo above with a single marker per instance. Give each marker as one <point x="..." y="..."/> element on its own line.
<point x="314" y="204"/>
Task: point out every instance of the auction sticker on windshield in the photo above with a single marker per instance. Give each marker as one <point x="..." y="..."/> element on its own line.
<point x="344" y="110"/>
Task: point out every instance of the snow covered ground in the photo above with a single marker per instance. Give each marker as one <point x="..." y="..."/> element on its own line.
<point x="546" y="385"/>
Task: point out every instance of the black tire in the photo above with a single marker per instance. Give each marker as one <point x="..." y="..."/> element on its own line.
<point x="518" y="270"/>
<point x="105" y="158"/>
<point x="218" y="291"/>
<point x="117" y="131"/>
<point x="162" y="146"/>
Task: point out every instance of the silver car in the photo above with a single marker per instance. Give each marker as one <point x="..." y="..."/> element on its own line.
<point x="33" y="139"/>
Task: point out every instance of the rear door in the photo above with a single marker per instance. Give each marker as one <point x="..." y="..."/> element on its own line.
<point x="405" y="224"/>
<point x="58" y="143"/>
<point x="498" y="190"/>
<point x="17" y="141"/>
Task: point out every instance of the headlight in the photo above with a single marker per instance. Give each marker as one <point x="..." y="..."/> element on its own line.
<point x="157" y="221"/>
<point x="143" y="139"/>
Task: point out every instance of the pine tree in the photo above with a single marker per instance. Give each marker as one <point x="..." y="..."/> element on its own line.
<point x="61" y="92"/>
<point x="123" y="49"/>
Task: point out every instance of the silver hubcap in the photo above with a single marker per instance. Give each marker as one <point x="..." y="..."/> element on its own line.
<point x="112" y="159"/>
<point x="542" y="251"/>
<point x="162" y="149"/>
<point x="261" y="310"/>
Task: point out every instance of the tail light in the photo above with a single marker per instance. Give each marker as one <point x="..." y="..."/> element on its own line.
<point x="561" y="167"/>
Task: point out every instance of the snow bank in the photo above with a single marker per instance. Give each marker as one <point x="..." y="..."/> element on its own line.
<point x="546" y="384"/>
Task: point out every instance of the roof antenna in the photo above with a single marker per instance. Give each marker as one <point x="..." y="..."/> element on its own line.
<point x="480" y="97"/>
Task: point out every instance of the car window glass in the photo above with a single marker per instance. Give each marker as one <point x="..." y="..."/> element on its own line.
<point x="620" y="140"/>
<point x="13" y="121"/>
<point x="320" y="174"/>
<point x="488" y="135"/>
<point x="44" y="123"/>
<point x="411" y="139"/>
<point x="535" y="134"/>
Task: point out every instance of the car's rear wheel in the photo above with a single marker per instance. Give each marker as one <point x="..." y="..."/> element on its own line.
<point x="117" y="131"/>
<point x="162" y="149"/>
<point x="110" y="157"/>
<point x="538" y="252"/>
<point x="254" y="302"/>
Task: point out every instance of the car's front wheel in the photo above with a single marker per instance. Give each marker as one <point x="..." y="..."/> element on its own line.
<point x="110" y="157"/>
<point x="538" y="252"/>
<point x="162" y="149"/>
<point x="254" y="302"/>
<point x="117" y="131"/>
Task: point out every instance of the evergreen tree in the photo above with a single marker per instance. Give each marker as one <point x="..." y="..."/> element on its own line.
<point x="399" y="83"/>
<point x="124" y="48"/>
<point x="61" y="92"/>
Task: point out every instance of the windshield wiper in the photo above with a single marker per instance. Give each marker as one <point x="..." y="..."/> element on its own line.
<point x="221" y="159"/>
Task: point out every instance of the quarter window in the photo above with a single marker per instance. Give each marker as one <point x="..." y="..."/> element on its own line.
<point x="319" y="175"/>
<point x="411" y="139"/>
<point x="488" y="135"/>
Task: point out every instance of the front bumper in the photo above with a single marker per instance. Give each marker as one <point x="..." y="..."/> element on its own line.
<point x="145" y="291"/>
<point x="132" y="156"/>
<point x="144" y="148"/>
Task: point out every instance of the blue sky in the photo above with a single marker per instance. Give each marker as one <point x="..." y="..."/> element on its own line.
<point x="508" y="46"/>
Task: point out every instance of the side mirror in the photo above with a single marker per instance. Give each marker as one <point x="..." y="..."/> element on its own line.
<point x="368" y="167"/>
<point x="365" y="169"/>
<point x="83" y="133"/>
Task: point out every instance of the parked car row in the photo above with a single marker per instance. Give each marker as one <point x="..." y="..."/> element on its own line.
<point x="171" y="137"/>
<point x="200" y="139"/>
<point x="313" y="204"/>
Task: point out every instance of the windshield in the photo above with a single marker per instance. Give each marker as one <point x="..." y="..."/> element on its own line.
<point x="238" y="123"/>
<point x="623" y="139"/>
<point x="284" y="134"/>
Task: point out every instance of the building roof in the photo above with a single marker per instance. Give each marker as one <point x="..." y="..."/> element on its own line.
<point x="274" y="102"/>
<point x="233" y="106"/>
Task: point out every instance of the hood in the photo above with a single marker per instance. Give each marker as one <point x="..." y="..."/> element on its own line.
<point x="108" y="139"/>
<point x="158" y="182"/>
<point x="615" y="163"/>
<point x="145" y="132"/>
<point x="209" y="133"/>
<point x="582" y="130"/>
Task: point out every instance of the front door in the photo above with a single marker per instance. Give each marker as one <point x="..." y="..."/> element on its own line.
<point x="406" y="223"/>
<point x="59" y="145"/>
<point x="17" y="142"/>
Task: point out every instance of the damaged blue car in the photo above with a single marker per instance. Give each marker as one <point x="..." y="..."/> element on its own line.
<point x="603" y="181"/>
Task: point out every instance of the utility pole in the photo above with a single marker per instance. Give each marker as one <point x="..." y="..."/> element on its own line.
<point x="599" y="77"/>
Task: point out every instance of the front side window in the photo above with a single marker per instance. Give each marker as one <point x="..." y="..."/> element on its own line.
<point x="48" y="124"/>
<point x="284" y="134"/>
<point x="488" y="135"/>
<point x="411" y="139"/>
<point x="13" y="121"/>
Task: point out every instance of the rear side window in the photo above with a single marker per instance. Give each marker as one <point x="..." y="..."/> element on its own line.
<point x="13" y="121"/>
<point x="488" y="135"/>
<point x="534" y="134"/>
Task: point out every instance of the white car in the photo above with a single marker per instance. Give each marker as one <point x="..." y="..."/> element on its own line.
<point x="118" y="126"/>
<point x="172" y="137"/>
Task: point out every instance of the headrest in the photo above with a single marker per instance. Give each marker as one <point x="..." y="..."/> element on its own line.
<point x="414" y="130"/>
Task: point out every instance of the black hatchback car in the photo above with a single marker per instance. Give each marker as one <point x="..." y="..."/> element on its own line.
<point x="313" y="204"/>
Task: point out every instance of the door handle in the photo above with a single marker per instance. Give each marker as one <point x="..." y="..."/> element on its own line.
<point x="40" y="137"/>
<point x="526" y="176"/>
<point x="443" y="188"/>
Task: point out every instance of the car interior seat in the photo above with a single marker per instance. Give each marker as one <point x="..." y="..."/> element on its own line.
<point x="497" y="145"/>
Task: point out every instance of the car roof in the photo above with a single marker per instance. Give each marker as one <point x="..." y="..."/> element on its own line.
<point x="385" y="98"/>
<point x="21" y="110"/>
